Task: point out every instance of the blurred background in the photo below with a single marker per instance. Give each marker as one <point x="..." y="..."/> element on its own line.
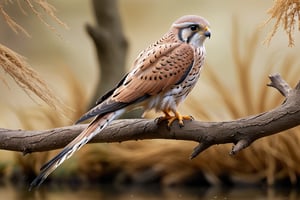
<point x="232" y="85"/>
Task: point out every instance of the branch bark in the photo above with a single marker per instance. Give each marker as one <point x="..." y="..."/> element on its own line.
<point x="242" y="132"/>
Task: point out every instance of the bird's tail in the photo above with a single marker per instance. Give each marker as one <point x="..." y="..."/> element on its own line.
<point x="97" y="125"/>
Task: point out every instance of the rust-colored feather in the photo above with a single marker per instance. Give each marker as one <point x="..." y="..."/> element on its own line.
<point x="156" y="70"/>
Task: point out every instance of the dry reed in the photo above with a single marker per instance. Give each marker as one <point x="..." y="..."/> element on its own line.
<point x="16" y="66"/>
<point x="35" y="6"/>
<point x="286" y="14"/>
<point x="11" y="23"/>
<point x="29" y="80"/>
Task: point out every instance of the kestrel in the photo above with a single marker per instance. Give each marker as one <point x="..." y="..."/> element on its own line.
<point x="161" y="78"/>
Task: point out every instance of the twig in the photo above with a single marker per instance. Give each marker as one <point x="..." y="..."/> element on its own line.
<point x="280" y="84"/>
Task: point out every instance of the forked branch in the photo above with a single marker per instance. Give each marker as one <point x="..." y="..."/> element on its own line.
<point x="241" y="132"/>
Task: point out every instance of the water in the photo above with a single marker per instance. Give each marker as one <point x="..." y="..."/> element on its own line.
<point x="145" y="192"/>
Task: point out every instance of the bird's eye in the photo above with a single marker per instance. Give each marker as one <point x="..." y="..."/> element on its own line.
<point x="194" y="28"/>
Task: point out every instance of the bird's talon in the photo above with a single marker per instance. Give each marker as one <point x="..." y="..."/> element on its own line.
<point x="161" y="119"/>
<point x="158" y="120"/>
<point x="181" y="124"/>
<point x="188" y="117"/>
<point x="178" y="117"/>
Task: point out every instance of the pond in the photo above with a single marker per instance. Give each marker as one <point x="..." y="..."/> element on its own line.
<point x="145" y="192"/>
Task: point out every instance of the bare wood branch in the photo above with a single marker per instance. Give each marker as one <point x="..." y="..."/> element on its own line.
<point x="281" y="85"/>
<point x="241" y="132"/>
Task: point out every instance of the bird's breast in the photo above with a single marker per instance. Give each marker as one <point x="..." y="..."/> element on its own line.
<point x="174" y="95"/>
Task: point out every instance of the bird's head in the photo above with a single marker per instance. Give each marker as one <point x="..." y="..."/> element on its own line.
<point x="192" y="29"/>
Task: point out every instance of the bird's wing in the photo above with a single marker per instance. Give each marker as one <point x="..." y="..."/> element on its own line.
<point x="156" y="71"/>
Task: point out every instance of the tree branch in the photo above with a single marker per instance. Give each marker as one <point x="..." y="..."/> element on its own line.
<point x="242" y="132"/>
<point x="280" y="84"/>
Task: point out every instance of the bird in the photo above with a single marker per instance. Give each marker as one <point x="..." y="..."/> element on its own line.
<point x="161" y="77"/>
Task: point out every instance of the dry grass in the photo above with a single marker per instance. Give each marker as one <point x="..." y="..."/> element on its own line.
<point x="286" y="14"/>
<point x="16" y="66"/>
<point x="40" y="8"/>
<point x="11" y="23"/>
<point x="29" y="80"/>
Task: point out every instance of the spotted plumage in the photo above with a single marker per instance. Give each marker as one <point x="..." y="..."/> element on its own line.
<point x="161" y="78"/>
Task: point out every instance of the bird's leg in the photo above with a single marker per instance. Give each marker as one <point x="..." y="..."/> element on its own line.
<point x="180" y="118"/>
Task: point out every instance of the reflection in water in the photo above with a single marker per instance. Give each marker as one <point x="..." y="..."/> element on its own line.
<point x="146" y="192"/>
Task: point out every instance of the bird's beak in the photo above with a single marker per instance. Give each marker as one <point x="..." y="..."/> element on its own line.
<point x="207" y="32"/>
